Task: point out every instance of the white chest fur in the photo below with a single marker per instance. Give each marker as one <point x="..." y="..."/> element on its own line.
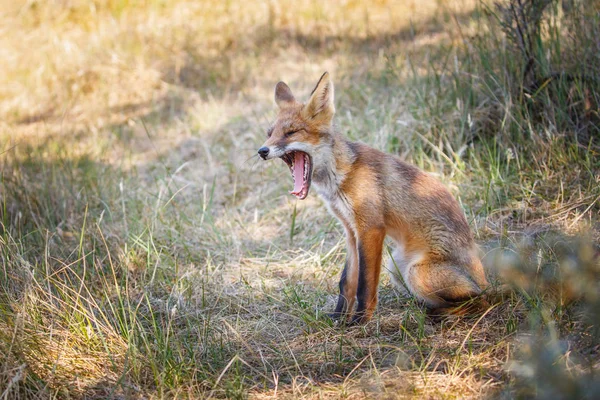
<point x="338" y="204"/>
<point x="327" y="180"/>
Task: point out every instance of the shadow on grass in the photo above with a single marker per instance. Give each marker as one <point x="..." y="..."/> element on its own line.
<point x="231" y="69"/>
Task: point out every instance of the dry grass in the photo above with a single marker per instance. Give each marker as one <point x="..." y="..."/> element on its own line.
<point x="147" y="253"/>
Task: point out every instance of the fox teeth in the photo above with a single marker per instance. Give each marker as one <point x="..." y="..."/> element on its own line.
<point x="305" y="168"/>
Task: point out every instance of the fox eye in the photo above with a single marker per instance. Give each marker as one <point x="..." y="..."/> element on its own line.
<point x="290" y="133"/>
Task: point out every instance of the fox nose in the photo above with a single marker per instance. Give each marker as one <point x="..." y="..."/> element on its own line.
<point x="263" y="152"/>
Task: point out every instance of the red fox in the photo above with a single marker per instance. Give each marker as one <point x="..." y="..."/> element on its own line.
<point x="375" y="194"/>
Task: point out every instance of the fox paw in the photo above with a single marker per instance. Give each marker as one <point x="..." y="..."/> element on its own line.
<point x="336" y="317"/>
<point x="359" y="318"/>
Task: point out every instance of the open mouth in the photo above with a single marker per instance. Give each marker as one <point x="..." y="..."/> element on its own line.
<point x="300" y="165"/>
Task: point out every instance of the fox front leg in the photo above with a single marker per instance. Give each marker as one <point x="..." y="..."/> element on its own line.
<point x="348" y="281"/>
<point x="370" y="249"/>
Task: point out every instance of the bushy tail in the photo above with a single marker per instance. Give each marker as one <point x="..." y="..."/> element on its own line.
<point x="490" y="297"/>
<point x="475" y="306"/>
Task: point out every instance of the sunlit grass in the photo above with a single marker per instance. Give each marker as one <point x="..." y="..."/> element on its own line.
<point x="146" y="252"/>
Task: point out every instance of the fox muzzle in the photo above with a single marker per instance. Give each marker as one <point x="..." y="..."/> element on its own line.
<point x="263" y="152"/>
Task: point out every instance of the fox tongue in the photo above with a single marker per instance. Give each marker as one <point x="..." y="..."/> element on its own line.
<point x="298" y="172"/>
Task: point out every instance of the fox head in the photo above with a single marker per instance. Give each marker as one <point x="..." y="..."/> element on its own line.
<point x="301" y="134"/>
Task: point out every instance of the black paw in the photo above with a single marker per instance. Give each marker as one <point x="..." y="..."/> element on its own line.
<point x="358" y="319"/>
<point x="335" y="316"/>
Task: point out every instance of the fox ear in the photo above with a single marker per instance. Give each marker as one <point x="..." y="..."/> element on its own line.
<point x="283" y="95"/>
<point x="320" y="106"/>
